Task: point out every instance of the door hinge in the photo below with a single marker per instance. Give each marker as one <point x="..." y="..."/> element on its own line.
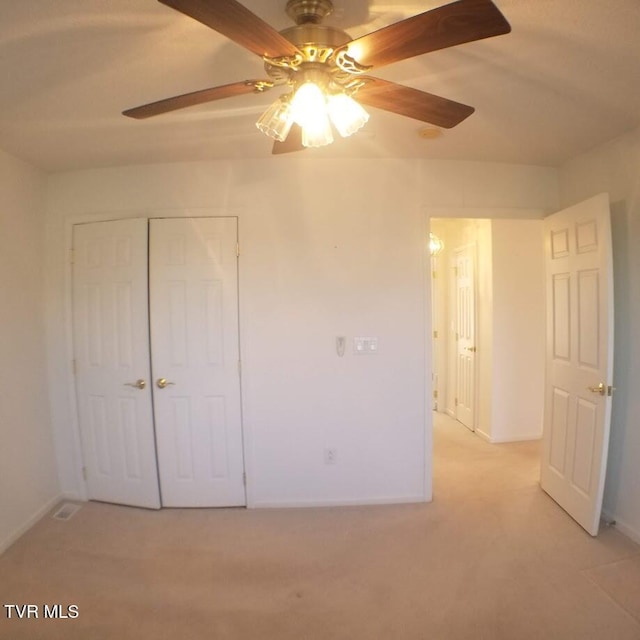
<point x="455" y="402"/>
<point x="239" y="366"/>
<point x="84" y="473"/>
<point x="71" y="256"/>
<point x="434" y="274"/>
<point x="237" y="249"/>
<point x="244" y="478"/>
<point x="435" y="394"/>
<point x="74" y="366"/>
<point x="435" y="334"/>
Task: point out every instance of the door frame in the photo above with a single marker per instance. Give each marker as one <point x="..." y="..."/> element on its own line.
<point x="67" y="371"/>
<point x="494" y="214"/>
<point x="470" y="213"/>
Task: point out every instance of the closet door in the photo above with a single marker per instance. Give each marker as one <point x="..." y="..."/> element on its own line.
<point x="195" y="361"/>
<point x="111" y="343"/>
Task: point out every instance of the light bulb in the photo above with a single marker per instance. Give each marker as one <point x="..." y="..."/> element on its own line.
<point x="309" y="110"/>
<point x="435" y="244"/>
<point x="346" y="114"/>
<point x="308" y="104"/>
<point x="276" y="121"/>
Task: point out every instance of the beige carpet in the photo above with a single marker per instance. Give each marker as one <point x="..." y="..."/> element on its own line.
<point x="492" y="557"/>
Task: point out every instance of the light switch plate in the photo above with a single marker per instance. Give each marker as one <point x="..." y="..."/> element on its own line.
<point x="363" y="346"/>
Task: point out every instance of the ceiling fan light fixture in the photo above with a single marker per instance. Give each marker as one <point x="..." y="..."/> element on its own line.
<point x="276" y="121"/>
<point x="346" y="114"/>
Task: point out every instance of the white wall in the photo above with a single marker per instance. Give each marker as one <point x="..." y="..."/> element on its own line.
<point x="328" y="248"/>
<point x="518" y="362"/>
<point x="484" y="329"/>
<point x="28" y="479"/>
<point x="615" y="168"/>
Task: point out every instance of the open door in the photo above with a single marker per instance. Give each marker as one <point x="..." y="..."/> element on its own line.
<point x="579" y="358"/>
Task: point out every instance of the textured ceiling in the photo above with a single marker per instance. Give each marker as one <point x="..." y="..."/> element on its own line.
<point x="566" y="79"/>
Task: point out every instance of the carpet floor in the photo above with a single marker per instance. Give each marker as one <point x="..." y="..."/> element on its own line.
<point x="492" y="557"/>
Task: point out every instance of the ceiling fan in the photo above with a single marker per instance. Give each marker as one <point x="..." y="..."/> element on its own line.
<point x="323" y="69"/>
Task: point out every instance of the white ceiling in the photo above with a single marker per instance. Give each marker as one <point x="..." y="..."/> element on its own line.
<point x="566" y="79"/>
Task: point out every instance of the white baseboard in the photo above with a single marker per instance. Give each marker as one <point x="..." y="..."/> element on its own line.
<point x="74" y="496"/>
<point x="24" y="527"/>
<point x="286" y="504"/>
<point x="522" y="438"/>
<point x="622" y="526"/>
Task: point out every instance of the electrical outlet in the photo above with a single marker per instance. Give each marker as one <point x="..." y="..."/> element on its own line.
<point x="330" y="455"/>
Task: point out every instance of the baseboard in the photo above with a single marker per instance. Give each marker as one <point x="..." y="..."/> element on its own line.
<point x="622" y="526"/>
<point x="286" y="504"/>
<point x="22" y="529"/>
<point x="523" y="438"/>
<point x="74" y="496"/>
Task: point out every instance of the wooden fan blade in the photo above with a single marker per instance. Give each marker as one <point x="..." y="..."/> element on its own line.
<point x="447" y="26"/>
<point x="191" y="99"/>
<point x="293" y="142"/>
<point x="237" y="23"/>
<point x="412" y="103"/>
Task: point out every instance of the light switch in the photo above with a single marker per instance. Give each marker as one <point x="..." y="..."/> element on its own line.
<point x="365" y="346"/>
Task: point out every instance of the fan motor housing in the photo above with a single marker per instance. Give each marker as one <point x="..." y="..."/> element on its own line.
<point x="305" y="11"/>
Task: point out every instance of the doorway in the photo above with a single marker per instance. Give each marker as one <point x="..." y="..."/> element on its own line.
<point x="489" y="326"/>
<point x="156" y="345"/>
<point x="566" y="315"/>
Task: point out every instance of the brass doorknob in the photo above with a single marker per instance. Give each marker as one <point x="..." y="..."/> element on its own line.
<point x="138" y="384"/>
<point x="602" y="389"/>
<point x="163" y="382"/>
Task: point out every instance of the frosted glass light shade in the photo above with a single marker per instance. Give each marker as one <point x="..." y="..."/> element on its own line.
<point x="276" y="121"/>
<point x="308" y="104"/>
<point x="309" y="110"/>
<point x="319" y="134"/>
<point x="346" y="114"/>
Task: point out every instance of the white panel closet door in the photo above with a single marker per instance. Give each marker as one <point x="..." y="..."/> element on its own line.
<point x="111" y="343"/>
<point x="579" y="364"/>
<point x="195" y="349"/>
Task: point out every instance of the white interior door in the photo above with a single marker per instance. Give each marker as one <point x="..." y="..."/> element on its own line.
<point x="579" y="362"/>
<point x="111" y="342"/>
<point x="465" y="336"/>
<point x="195" y="361"/>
